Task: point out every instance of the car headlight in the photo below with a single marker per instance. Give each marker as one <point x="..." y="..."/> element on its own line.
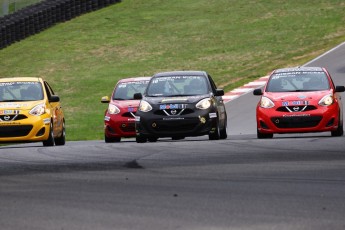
<point x="266" y="103"/>
<point x="145" y="106"/>
<point x="326" y="100"/>
<point x="38" y="110"/>
<point x="204" y="104"/>
<point x="113" y="109"/>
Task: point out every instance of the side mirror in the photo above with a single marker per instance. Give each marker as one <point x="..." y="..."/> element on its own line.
<point x="340" y="89"/>
<point x="257" y="92"/>
<point x="54" y="98"/>
<point x="138" y="96"/>
<point x="219" y="92"/>
<point x="105" y="99"/>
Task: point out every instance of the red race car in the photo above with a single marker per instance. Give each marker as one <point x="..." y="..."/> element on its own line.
<point x="119" y="118"/>
<point x="299" y="100"/>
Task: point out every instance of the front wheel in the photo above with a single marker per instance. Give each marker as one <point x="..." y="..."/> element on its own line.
<point x="62" y="139"/>
<point x="140" y="139"/>
<point x="339" y="131"/>
<point x="215" y="134"/>
<point x="111" y="139"/>
<point x="50" y="141"/>
<point x="223" y="133"/>
<point x="152" y="139"/>
<point x="264" y="135"/>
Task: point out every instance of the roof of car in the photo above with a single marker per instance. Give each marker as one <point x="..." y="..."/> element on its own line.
<point x="14" y="79"/>
<point x="298" y="69"/>
<point x="134" y="79"/>
<point x="181" y="73"/>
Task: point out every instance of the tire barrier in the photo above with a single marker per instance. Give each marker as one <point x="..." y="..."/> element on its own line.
<point x="40" y="16"/>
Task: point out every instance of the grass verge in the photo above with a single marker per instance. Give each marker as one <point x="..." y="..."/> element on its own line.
<point x="235" y="41"/>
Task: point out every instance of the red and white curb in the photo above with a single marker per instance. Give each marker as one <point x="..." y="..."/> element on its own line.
<point x="249" y="87"/>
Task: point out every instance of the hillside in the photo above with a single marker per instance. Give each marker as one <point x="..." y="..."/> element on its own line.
<point x="235" y="41"/>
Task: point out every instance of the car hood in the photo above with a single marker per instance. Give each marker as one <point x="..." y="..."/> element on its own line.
<point x="22" y="105"/>
<point x="179" y="99"/>
<point x="126" y="103"/>
<point x="293" y="96"/>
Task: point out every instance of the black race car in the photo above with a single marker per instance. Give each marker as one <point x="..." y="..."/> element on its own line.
<point x="180" y="104"/>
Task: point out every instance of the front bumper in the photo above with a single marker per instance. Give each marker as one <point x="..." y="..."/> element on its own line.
<point x="118" y="126"/>
<point x="321" y="120"/>
<point x="34" y="128"/>
<point x="196" y="124"/>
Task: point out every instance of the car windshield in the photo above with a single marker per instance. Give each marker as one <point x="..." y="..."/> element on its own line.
<point x="177" y="86"/>
<point x="21" y="91"/>
<point x="126" y="90"/>
<point x="298" y="81"/>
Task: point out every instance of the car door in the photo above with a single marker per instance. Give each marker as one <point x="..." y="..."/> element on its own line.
<point x="56" y="111"/>
<point x="220" y="103"/>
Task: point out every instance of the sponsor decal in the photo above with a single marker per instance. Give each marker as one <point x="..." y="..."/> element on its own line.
<point x="9" y="123"/>
<point x="175" y="99"/>
<point x="46" y="121"/>
<point x="213" y="115"/>
<point x="173" y="118"/>
<point x="302" y="96"/>
<point x="7" y="112"/>
<point x="131" y="119"/>
<point x="296" y="115"/>
<point x="172" y="106"/>
<point x="106" y="118"/>
<point x="12" y="105"/>
<point x="287" y="103"/>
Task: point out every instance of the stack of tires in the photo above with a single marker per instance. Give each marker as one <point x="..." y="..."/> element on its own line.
<point x="38" y="17"/>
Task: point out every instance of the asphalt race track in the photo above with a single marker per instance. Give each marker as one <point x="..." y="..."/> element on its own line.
<point x="294" y="181"/>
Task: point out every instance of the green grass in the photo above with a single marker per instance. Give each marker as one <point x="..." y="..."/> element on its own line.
<point x="235" y="41"/>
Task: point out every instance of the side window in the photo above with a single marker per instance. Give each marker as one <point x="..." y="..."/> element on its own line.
<point x="49" y="90"/>
<point x="213" y="85"/>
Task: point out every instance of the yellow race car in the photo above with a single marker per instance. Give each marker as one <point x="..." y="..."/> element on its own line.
<point x="30" y="112"/>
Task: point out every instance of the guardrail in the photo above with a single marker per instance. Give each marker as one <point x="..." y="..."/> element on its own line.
<point x="40" y="16"/>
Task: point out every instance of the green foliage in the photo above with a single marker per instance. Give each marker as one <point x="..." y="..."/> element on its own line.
<point x="235" y="41"/>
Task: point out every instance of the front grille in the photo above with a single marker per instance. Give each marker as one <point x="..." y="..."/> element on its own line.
<point x="296" y="108"/>
<point x="15" y="130"/>
<point x="13" y="117"/>
<point x="296" y="121"/>
<point x="128" y="114"/>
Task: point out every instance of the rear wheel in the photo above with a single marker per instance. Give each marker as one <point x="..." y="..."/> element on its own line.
<point x="50" y="141"/>
<point x="264" y="135"/>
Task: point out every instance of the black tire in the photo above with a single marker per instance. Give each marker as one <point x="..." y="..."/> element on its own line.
<point x="264" y="135"/>
<point x="152" y="139"/>
<point x="339" y="132"/>
<point x="223" y="132"/>
<point x="140" y="139"/>
<point x="62" y="139"/>
<point x="50" y="141"/>
<point x="215" y="135"/>
<point x="111" y="139"/>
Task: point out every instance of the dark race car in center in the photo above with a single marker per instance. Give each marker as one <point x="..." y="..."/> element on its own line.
<point x="180" y="104"/>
